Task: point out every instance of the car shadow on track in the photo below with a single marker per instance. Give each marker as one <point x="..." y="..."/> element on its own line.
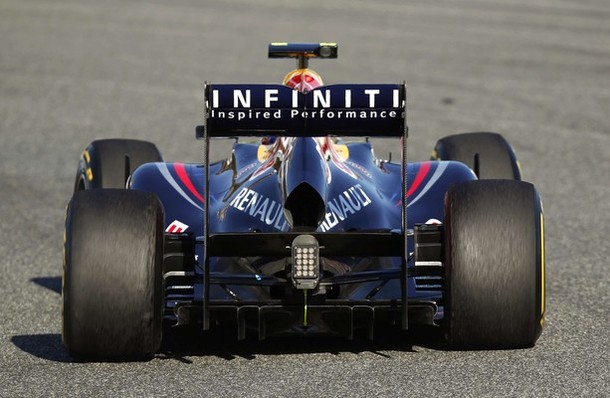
<point x="52" y="283"/>
<point x="181" y="343"/>
<point x="45" y="346"/>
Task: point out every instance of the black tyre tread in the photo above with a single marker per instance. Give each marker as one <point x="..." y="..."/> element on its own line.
<point x="112" y="290"/>
<point x="493" y="265"/>
<point x="496" y="158"/>
<point x="107" y="162"/>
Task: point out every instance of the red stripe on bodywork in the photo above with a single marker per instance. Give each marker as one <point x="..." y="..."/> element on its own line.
<point x="181" y="171"/>
<point x="419" y="178"/>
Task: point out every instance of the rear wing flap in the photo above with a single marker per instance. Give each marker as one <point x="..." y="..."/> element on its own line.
<point x="371" y="110"/>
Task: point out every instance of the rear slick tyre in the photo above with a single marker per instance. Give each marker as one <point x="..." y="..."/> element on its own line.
<point x="112" y="283"/>
<point x="494" y="255"/>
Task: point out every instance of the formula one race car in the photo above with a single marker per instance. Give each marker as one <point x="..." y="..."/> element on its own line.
<point x="301" y="230"/>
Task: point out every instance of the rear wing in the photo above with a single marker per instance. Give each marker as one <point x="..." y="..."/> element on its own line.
<point x="342" y="109"/>
<point x="365" y="110"/>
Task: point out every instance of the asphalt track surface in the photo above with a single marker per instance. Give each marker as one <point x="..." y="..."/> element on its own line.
<point x="536" y="71"/>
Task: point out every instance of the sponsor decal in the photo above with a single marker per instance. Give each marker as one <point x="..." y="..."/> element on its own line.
<point x="327" y="104"/>
<point x="305" y="114"/>
<point x="349" y="202"/>
<point x="321" y="98"/>
<point x="88" y="171"/>
<point x="258" y="206"/>
<point x="176" y="227"/>
<point x="245" y="169"/>
<point x="361" y="169"/>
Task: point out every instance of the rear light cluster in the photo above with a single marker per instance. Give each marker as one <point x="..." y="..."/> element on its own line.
<point x="305" y="262"/>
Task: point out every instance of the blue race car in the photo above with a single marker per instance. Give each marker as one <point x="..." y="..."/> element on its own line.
<point x="302" y="230"/>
